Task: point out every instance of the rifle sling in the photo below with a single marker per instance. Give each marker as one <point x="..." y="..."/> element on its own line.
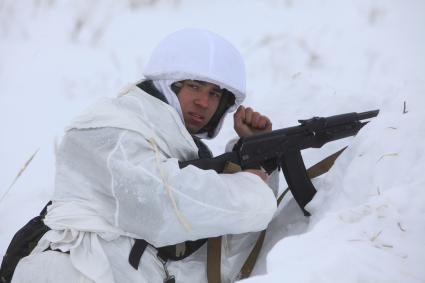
<point x="214" y="244"/>
<point x="214" y="260"/>
<point x="323" y="166"/>
<point x="249" y="264"/>
<point x="314" y="171"/>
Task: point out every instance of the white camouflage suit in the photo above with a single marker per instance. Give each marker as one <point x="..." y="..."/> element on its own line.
<point x="118" y="179"/>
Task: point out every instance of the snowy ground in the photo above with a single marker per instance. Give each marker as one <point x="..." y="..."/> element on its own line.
<point x="304" y="58"/>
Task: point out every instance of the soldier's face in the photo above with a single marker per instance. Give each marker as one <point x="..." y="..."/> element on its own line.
<point x="199" y="101"/>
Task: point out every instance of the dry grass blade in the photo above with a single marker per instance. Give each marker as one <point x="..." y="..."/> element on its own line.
<point x="376" y="236"/>
<point x="401" y="228"/>
<point x="388" y="154"/>
<point x="20" y="173"/>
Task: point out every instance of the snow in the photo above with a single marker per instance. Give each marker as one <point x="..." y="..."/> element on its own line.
<point x="366" y="223"/>
<point x="304" y="58"/>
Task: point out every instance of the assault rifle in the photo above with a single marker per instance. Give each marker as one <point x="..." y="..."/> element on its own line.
<point x="282" y="148"/>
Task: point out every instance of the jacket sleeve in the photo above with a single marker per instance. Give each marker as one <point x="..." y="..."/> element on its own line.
<point x="153" y="199"/>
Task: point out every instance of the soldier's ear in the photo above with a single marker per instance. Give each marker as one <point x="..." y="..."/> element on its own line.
<point x="176" y="87"/>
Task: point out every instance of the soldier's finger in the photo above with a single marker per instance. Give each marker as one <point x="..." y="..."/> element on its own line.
<point x="262" y="122"/>
<point x="248" y="115"/>
<point x="256" y="117"/>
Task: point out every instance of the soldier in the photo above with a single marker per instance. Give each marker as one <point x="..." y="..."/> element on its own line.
<point x="123" y="210"/>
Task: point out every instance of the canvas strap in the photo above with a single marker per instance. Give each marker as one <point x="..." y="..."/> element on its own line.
<point x="214" y="244"/>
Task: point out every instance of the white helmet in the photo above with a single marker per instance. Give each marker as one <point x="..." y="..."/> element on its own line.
<point x="194" y="54"/>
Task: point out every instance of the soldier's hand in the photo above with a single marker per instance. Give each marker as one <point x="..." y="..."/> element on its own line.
<point x="248" y="122"/>
<point x="258" y="172"/>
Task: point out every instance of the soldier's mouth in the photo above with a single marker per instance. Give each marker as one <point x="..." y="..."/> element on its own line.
<point x="196" y="117"/>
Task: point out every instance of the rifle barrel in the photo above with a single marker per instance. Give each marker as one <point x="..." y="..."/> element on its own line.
<point x="368" y="114"/>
